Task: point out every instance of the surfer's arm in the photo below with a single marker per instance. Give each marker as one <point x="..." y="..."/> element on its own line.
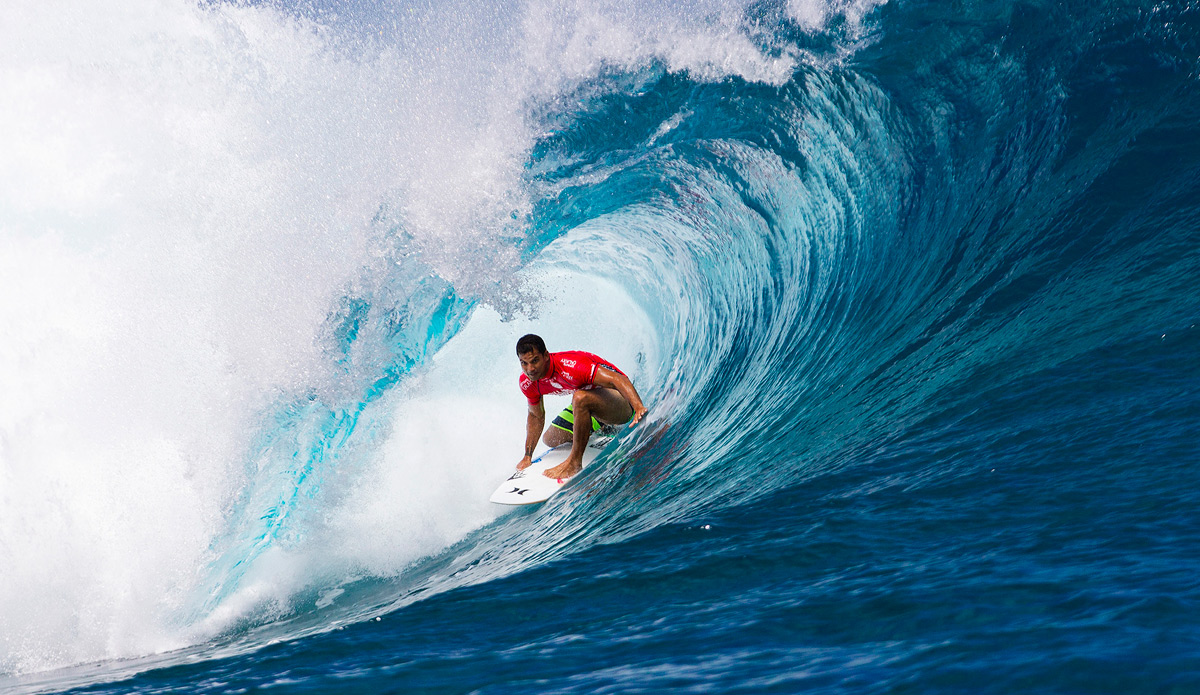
<point x="534" y="422"/>
<point x="616" y="380"/>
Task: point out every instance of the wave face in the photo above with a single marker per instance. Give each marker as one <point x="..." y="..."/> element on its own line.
<point x="911" y="295"/>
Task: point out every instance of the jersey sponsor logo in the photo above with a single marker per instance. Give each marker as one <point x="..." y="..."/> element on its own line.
<point x="556" y="385"/>
<point x="568" y="363"/>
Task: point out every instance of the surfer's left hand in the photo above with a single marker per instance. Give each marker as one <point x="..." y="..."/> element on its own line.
<point x="637" y="416"/>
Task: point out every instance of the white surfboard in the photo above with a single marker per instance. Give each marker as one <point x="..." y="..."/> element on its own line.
<point x="530" y="486"/>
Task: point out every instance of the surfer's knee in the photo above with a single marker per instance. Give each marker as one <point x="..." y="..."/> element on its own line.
<point x="555" y="436"/>
<point x="581" y="398"/>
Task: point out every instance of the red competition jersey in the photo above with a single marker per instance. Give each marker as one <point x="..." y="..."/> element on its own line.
<point x="569" y="370"/>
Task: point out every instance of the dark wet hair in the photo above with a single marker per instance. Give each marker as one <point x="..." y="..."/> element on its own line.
<point x="529" y="343"/>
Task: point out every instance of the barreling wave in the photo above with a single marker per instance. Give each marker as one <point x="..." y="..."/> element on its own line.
<point x="808" y="230"/>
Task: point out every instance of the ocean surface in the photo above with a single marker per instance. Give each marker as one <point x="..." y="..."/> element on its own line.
<point x="910" y="288"/>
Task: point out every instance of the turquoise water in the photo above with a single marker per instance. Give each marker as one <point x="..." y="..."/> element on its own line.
<point x="910" y="292"/>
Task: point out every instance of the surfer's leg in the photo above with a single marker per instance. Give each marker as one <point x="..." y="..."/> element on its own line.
<point x="609" y="406"/>
<point x="561" y="429"/>
<point x="606" y="405"/>
<point x="555" y="436"/>
<point x="580" y="431"/>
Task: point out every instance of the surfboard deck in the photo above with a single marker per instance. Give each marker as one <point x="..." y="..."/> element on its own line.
<point x="531" y="487"/>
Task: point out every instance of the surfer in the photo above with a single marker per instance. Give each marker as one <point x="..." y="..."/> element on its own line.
<point x="602" y="395"/>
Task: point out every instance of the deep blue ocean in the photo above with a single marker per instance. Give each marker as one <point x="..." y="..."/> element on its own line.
<point x="911" y="290"/>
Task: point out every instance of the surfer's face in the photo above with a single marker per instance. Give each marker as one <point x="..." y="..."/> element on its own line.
<point x="535" y="364"/>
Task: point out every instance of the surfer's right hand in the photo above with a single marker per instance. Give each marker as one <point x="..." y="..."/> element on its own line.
<point x="525" y="463"/>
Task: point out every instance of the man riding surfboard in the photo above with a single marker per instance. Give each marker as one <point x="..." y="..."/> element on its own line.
<point x="601" y="395"/>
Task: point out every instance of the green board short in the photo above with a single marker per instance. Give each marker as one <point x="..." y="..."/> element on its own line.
<point x="566" y="422"/>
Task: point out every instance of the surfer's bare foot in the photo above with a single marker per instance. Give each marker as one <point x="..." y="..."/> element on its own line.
<point x="566" y="469"/>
